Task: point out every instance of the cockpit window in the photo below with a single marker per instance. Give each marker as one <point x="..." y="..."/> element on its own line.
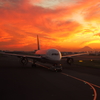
<point x="55" y="54"/>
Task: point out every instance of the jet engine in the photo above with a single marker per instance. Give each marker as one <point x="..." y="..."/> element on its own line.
<point x="70" y="61"/>
<point x="24" y="60"/>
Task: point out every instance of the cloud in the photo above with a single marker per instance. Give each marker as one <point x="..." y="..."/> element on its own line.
<point x="93" y="12"/>
<point x="98" y="34"/>
<point x="22" y="20"/>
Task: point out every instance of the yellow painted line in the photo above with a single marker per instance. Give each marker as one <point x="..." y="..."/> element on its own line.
<point x="90" y="84"/>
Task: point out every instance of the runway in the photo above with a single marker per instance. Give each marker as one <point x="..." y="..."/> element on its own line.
<point x="27" y="83"/>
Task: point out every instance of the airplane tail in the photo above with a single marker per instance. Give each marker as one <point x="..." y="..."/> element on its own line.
<point x="38" y="44"/>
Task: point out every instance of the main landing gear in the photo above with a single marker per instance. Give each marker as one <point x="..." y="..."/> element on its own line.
<point x="34" y="63"/>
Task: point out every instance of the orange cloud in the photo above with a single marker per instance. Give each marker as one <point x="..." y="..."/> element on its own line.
<point x="22" y="20"/>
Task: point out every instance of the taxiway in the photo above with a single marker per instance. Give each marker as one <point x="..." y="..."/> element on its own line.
<point x="27" y="83"/>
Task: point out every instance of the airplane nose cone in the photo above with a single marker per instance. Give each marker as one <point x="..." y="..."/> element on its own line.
<point x="54" y="55"/>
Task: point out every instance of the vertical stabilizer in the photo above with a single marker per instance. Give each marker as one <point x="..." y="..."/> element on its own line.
<point x="38" y="44"/>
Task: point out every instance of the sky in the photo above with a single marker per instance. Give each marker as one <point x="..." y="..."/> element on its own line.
<point x="61" y="24"/>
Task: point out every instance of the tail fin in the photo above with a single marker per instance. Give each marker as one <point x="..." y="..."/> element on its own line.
<point x="38" y="44"/>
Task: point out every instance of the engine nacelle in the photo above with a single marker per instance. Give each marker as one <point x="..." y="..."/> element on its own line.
<point x="24" y="60"/>
<point x="70" y="60"/>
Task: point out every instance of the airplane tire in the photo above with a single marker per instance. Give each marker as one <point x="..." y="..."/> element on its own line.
<point x="59" y="70"/>
<point x="33" y="65"/>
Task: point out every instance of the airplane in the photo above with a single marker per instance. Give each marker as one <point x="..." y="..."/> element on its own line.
<point x="49" y="56"/>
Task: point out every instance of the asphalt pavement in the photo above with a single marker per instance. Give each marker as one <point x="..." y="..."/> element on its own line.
<point x="18" y="82"/>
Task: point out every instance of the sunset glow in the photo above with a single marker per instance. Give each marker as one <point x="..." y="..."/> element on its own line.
<point x="61" y="24"/>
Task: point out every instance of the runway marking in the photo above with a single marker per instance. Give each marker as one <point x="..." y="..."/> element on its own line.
<point x="96" y="85"/>
<point x="90" y="84"/>
<point x="82" y="80"/>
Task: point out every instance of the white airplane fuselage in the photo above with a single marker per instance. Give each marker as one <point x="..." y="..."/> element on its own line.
<point x="50" y="55"/>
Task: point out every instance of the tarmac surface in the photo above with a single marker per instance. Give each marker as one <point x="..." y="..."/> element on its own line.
<point x="18" y="82"/>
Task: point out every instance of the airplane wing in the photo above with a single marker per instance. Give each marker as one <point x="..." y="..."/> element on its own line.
<point x="73" y="55"/>
<point x="22" y="55"/>
<point x="70" y="59"/>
